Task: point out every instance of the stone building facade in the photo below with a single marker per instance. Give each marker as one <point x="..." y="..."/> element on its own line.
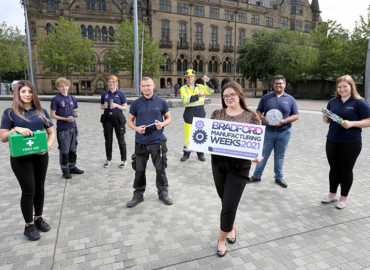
<point x="203" y="35"/>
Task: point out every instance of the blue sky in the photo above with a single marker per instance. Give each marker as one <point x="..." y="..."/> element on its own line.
<point x="340" y="10"/>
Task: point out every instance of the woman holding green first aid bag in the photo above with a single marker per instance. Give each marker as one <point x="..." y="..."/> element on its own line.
<point x="24" y="117"/>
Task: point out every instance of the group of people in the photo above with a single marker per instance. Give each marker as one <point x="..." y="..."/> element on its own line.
<point x="149" y="114"/>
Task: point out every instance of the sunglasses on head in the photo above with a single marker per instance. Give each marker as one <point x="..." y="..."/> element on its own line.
<point x="188" y="72"/>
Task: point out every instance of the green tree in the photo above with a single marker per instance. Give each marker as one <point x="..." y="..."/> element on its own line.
<point x="256" y="55"/>
<point x="293" y="55"/>
<point x="356" y="48"/>
<point x="11" y="49"/>
<point x="63" y="51"/>
<point x="329" y="39"/>
<point x="120" y="57"/>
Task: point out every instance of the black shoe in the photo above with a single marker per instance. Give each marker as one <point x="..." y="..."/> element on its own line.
<point x="281" y="182"/>
<point x="31" y="233"/>
<point x="41" y="225"/>
<point x="76" y="170"/>
<point x="165" y="199"/>
<point x="254" y="179"/>
<point x="202" y="159"/>
<point x="184" y="158"/>
<point x="221" y="253"/>
<point x="66" y="174"/>
<point x="231" y="240"/>
<point x="134" y="202"/>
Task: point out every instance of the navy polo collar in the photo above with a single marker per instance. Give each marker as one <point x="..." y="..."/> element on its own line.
<point x="152" y="97"/>
<point x="283" y="95"/>
<point x="30" y="110"/>
<point x="64" y="95"/>
<point x="340" y="98"/>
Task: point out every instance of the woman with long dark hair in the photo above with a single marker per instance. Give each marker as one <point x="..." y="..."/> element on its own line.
<point x="25" y="116"/>
<point x="344" y="143"/>
<point x="231" y="174"/>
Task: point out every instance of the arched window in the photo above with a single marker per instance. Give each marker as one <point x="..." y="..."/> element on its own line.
<point x="104" y="31"/>
<point x="83" y="31"/>
<point x="226" y="65"/>
<point x="168" y="64"/>
<point x="111" y="34"/>
<point x="88" y="3"/>
<point x="215" y="66"/>
<point x="162" y="82"/>
<point x="103" y="5"/>
<point x="93" y="4"/>
<point x="210" y="65"/>
<point x="52" y="4"/>
<point x="90" y="32"/>
<point x="179" y="82"/>
<point x="238" y="81"/>
<point x="140" y="11"/>
<point x="99" y="5"/>
<point x="48" y="28"/>
<point x="184" y="65"/>
<point x="243" y="83"/>
<point x="195" y="67"/>
<point x="100" y="85"/>
<point x="106" y="67"/>
<point x="178" y="65"/>
<point x="200" y="66"/>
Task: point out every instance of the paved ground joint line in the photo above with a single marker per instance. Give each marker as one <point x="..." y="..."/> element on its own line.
<point x="60" y="219"/>
<point x="265" y="242"/>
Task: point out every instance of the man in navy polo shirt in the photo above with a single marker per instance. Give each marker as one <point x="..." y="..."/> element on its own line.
<point x="147" y="110"/>
<point x="276" y="137"/>
<point x="64" y="109"/>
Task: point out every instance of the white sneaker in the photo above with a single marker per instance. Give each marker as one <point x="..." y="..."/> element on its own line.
<point x="122" y="165"/>
<point x="329" y="200"/>
<point x="340" y="205"/>
<point x="107" y="163"/>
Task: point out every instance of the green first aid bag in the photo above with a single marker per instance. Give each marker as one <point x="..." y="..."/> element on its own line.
<point x="23" y="146"/>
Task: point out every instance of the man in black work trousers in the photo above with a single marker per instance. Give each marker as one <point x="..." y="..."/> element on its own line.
<point x="149" y="111"/>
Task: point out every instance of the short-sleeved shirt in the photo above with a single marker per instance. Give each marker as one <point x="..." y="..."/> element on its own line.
<point x="64" y="106"/>
<point x="35" y="122"/>
<point x="285" y="103"/>
<point x="117" y="96"/>
<point x="146" y="111"/>
<point x="351" y="110"/>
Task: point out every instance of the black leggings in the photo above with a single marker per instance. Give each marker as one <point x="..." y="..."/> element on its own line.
<point x="229" y="186"/>
<point x="31" y="172"/>
<point x="342" y="158"/>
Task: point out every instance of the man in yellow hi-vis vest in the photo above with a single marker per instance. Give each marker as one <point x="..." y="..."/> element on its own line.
<point x="193" y="96"/>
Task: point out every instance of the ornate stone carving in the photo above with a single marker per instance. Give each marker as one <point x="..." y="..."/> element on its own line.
<point x="33" y="29"/>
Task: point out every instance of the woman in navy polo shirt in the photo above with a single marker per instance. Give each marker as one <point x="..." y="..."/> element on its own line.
<point x="26" y="116"/>
<point x="113" y="102"/>
<point x="343" y="144"/>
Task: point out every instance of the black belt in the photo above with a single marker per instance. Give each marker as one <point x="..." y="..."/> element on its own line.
<point x="111" y="113"/>
<point x="64" y="129"/>
<point x="278" y="131"/>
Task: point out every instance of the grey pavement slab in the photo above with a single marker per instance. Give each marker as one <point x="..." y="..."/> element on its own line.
<point x="276" y="228"/>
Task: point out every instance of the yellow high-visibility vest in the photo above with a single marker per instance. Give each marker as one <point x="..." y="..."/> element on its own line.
<point x="186" y="93"/>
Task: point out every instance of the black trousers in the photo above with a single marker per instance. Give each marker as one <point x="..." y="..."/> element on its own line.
<point x="159" y="158"/>
<point x="230" y="176"/>
<point x="31" y="173"/>
<point x="342" y="158"/>
<point x="118" y="122"/>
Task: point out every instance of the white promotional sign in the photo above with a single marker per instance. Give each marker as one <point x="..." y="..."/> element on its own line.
<point x="232" y="139"/>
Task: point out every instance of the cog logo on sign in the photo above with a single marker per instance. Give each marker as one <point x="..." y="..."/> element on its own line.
<point x="200" y="136"/>
<point x="199" y="124"/>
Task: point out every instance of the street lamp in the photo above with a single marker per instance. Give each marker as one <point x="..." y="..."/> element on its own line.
<point x="25" y="3"/>
<point x="367" y="75"/>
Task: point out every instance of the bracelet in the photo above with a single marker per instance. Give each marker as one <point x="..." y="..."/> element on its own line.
<point x="286" y="122"/>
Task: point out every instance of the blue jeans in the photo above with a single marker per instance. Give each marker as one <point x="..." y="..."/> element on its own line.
<point x="279" y="142"/>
